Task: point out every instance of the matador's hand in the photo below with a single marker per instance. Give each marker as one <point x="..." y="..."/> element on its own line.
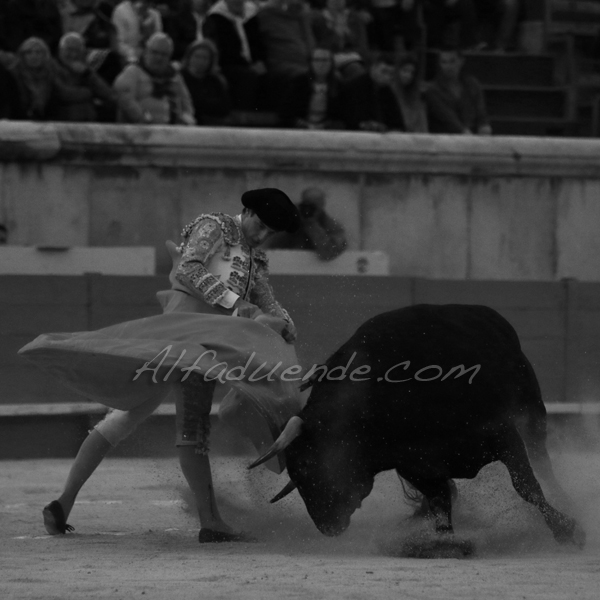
<point x="246" y="309"/>
<point x="289" y="334"/>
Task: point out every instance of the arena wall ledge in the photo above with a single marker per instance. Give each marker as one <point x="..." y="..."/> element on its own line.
<point x="442" y="207"/>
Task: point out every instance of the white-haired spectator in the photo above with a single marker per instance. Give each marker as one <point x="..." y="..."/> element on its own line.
<point x="152" y="91"/>
<point x="92" y="20"/>
<point x="73" y="71"/>
<point x="135" y="23"/>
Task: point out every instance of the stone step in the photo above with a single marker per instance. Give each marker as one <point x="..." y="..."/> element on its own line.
<point x="539" y="127"/>
<point x="511" y="68"/>
<point x="533" y="101"/>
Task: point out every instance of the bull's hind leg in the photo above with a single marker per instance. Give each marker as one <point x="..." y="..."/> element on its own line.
<point x="514" y="456"/>
<point x="533" y="430"/>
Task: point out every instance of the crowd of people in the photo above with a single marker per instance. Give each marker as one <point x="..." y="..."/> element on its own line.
<point x="316" y="64"/>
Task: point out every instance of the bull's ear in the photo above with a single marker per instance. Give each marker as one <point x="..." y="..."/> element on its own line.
<point x="292" y="430"/>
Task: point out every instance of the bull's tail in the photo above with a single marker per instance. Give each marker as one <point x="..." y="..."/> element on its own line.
<point x="532" y="425"/>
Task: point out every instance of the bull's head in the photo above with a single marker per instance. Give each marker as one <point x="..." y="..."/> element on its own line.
<point x="328" y="473"/>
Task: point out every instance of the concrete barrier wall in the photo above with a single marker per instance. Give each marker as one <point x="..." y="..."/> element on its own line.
<point x="558" y="323"/>
<point x="444" y="207"/>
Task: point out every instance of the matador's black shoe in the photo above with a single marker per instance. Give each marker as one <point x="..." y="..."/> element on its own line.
<point x="210" y="536"/>
<point x="54" y="519"/>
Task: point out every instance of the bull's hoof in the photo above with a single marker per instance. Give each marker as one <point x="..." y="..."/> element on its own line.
<point x="570" y="533"/>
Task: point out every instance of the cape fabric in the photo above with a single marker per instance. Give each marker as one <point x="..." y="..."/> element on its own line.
<point x="123" y="365"/>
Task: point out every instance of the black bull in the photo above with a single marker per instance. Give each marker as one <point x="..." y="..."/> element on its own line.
<point x="415" y="412"/>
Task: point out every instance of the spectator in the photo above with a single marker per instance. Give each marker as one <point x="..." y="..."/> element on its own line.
<point x="3" y="235"/>
<point x="152" y="91"/>
<point x="368" y="101"/>
<point x="10" y="101"/>
<point x="25" y="19"/>
<point x="205" y="83"/>
<point x="34" y="73"/>
<point x="92" y="20"/>
<point x="451" y="23"/>
<point x="72" y="71"/>
<point x="178" y="23"/>
<point x="348" y="66"/>
<point x="317" y="232"/>
<point x="135" y="22"/>
<point x="286" y="38"/>
<point x="341" y="30"/>
<point x="312" y="99"/>
<point x="455" y="101"/>
<point x="407" y="87"/>
<point x="233" y="27"/>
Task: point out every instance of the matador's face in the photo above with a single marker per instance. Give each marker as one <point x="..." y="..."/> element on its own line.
<point x="254" y="230"/>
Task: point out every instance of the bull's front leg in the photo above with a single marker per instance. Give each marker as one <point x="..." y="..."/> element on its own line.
<point x="438" y="496"/>
<point x="514" y="456"/>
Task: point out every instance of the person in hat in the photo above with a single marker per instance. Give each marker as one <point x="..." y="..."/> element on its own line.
<point x="218" y="271"/>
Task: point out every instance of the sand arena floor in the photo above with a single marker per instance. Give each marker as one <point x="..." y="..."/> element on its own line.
<point x="136" y="537"/>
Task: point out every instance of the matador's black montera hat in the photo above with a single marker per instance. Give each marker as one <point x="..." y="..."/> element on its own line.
<point x="273" y="208"/>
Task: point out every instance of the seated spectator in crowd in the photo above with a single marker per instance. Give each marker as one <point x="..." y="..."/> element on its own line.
<point x="451" y="23"/>
<point x="342" y="30"/>
<point x="92" y="20"/>
<point x="72" y="71"/>
<point x="312" y="99"/>
<point x="395" y="26"/>
<point x="408" y="89"/>
<point x="497" y="22"/>
<point x="455" y="101"/>
<point x="207" y="87"/>
<point x="135" y="22"/>
<point x="152" y="91"/>
<point x="348" y="66"/>
<point x="286" y="38"/>
<point x="233" y="27"/>
<point x="317" y="231"/>
<point x="10" y="101"/>
<point x="34" y="73"/>
<point x="24" y="19"/>
<point x="178" y="23"/>
<point x="368" y="102"/>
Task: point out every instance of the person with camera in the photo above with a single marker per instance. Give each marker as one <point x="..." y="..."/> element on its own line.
<point x="318" y="231"/>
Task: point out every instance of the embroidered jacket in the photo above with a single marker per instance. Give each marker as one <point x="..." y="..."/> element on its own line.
<point x="219" y="266"/>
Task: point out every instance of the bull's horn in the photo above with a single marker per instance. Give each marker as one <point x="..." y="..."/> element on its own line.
<point x="290" y="486"/>
<point x="292" y="430"/>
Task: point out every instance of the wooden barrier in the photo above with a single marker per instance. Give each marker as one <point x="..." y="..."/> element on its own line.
<point x="558" y="323"/>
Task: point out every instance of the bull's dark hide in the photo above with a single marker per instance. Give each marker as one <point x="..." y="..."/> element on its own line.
<point x="436" y="425"/>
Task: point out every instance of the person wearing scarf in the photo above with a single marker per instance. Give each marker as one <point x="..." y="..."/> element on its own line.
<point x="207" y="87"/>
<point x="152" y="91"/>
<point x="407" y="87"/>
<point x="233" y="27"/>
